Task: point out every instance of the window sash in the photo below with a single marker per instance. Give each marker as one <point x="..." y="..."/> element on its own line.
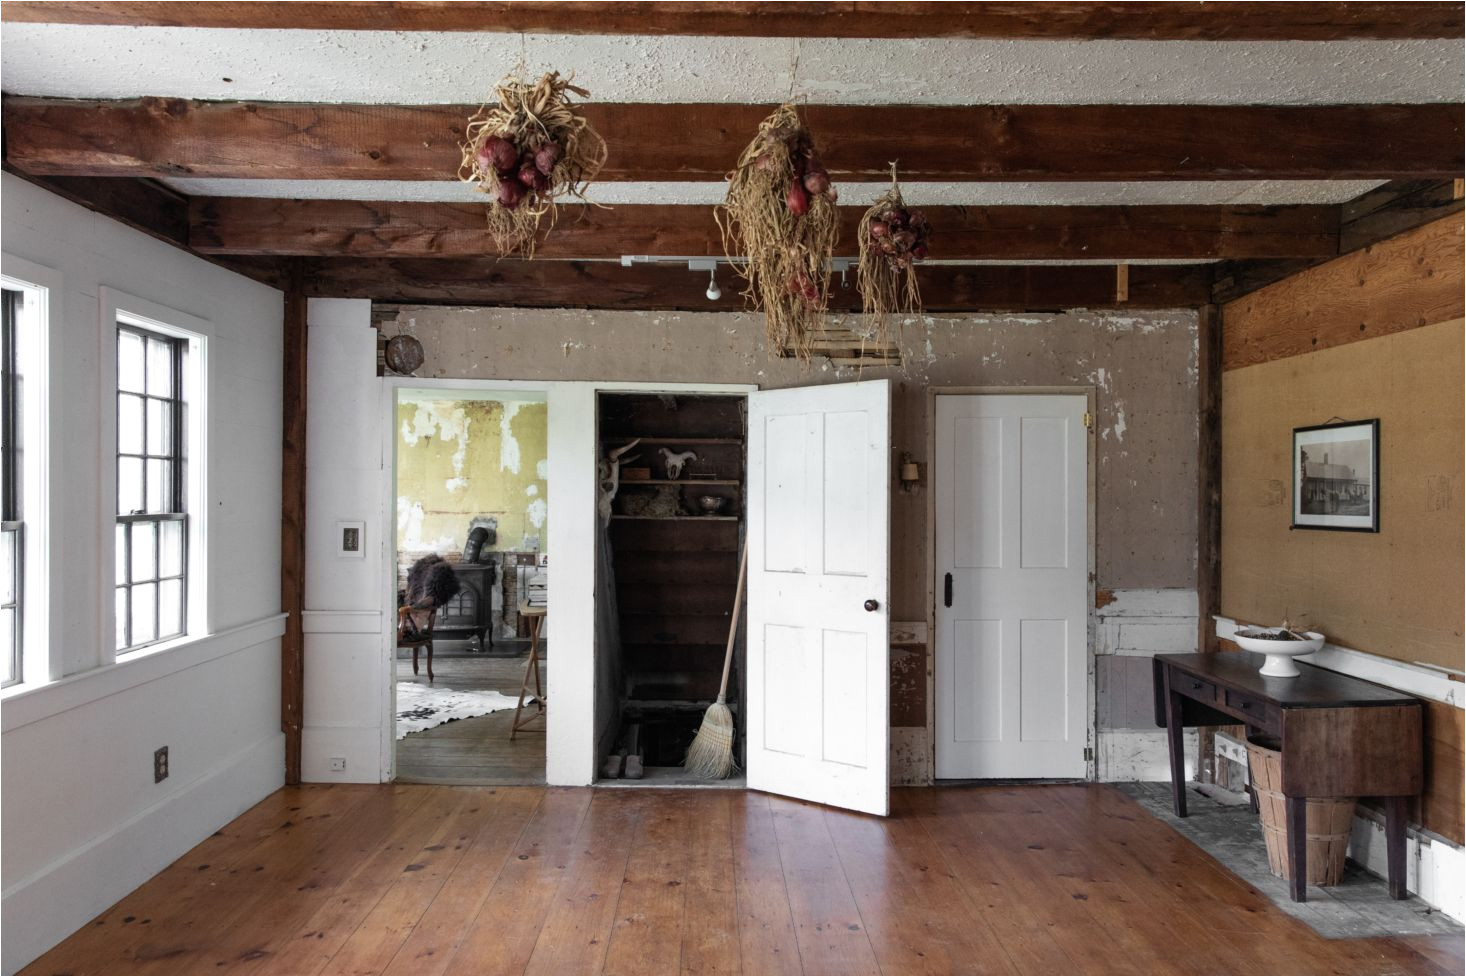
<point x="171" y="453"/>
<point x="12" y="536"/>
<point x="141" y="583"/>
<point x="128" y="585"/>
<point x="11" y="528"/>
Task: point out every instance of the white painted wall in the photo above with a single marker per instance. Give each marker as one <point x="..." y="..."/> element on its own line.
<point x="83" y="822"/>
<point x="349" y="649"/>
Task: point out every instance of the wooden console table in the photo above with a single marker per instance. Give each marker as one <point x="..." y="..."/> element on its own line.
<point x="1341" y="737"/>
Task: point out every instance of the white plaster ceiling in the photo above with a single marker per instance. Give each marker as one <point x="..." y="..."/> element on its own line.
<point x="82" y="61"/>
<point x="1182" y="192"/>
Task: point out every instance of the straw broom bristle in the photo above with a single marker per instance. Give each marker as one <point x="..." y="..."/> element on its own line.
<point x="711" y="754"/>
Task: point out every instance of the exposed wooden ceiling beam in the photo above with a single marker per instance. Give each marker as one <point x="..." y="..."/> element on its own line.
<point x="140" y="204"/>
<point x="253" y="225"/>
<point x="605" y="285"/>
<point x="660" y="142"/>
<point x="1394" y="208"/>
<point x="1147" y="20"/>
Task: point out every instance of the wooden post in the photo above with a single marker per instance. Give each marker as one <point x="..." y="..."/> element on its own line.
<point x="292" y="522"/>
<point x="1208" y="503"/>
<point x="1122" y="283"/>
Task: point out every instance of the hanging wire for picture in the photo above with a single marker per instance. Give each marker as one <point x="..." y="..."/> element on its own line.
<point x="529" y="151"/>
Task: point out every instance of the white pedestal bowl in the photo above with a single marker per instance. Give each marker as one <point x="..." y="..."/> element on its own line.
<point x="1280" y="654"/>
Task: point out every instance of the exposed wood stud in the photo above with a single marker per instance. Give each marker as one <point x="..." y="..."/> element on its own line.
<point x="1141" y="20"/>
<point x="292" y="523"/>
<point x="1122" y="283"/>
<point x="692" y="141"/>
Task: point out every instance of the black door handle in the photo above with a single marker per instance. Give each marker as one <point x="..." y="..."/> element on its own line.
<point x="947" y="591"/>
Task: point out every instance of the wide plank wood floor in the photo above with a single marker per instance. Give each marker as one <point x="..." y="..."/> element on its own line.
<point x="420" y="879"/>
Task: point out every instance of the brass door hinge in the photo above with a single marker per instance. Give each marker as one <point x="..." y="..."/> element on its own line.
<point x="1088" y="421"/>
<point x="1088" y="753"/>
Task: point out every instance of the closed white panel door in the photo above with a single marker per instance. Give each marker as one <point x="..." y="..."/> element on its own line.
<point x="818" y="580"/>
<point x="1012" y="538"/>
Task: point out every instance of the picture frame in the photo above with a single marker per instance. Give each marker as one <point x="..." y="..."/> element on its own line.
<point x="1336" y="476"/>
<point x="351" y="539"/>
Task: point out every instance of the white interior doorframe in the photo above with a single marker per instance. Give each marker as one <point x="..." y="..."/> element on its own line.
<point x="932" y="575"/>
<point x="571" y="407"/>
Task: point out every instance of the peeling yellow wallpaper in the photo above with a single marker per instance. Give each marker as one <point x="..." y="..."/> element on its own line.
<point x="458" y="460"/>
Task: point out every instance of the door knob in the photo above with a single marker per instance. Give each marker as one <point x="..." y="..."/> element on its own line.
<point x="872" y="605"/>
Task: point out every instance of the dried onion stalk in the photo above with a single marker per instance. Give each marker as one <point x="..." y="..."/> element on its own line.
<point x="530" y="118"/>
<point x="779" y="225"/>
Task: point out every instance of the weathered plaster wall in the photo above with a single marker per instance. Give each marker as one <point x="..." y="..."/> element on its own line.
<point x="458" y="459"/>
<point x="1141" y="366"/>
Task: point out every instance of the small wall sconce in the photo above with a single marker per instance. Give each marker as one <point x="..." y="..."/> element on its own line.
<point x="909" y="473"/>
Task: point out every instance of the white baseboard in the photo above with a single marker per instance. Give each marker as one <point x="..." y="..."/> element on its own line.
<point x="1434" y="869"/>
<point x="43" y="909"/>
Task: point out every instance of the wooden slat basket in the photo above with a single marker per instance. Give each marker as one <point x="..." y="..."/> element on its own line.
<point x="1329" y="818"/>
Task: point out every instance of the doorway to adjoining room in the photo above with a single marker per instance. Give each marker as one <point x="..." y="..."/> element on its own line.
<point x="472" y="574"/>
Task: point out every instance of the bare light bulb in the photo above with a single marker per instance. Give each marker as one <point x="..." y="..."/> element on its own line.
<point x="714" y="292"/>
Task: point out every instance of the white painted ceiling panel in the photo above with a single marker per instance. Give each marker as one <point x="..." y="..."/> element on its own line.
<point x="82" y="61"/>
<point x="1181" y="192"/>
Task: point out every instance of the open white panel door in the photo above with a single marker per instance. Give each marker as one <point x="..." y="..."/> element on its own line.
<point x="818" y="581"/>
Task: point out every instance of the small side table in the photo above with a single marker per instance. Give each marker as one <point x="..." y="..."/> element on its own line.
<point x="536" y="618"/>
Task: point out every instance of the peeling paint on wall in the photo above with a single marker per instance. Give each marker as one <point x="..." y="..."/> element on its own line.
<point x="462" y="459"/>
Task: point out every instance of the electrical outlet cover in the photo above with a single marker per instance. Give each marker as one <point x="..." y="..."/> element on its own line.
<point x="338" y="763"/>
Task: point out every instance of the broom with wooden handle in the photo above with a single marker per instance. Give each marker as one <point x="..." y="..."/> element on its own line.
<point x="711" y="754"/>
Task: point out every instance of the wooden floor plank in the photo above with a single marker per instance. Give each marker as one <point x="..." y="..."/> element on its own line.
<point x="646" y="937"/>
<point x="766" y="940"/>
<point x="827" y="924"/>
<point x="578" y="926"/>
<point x="416" y="879"/>
<point x="913" y="910"/>
<point x="446" y="921"/>
<point x="504" y="932"/>
<point x="344" y="884"/>
<point x="710" y="936"/>
<point x="1028" y="943"/>
<point x="126" y="930"/>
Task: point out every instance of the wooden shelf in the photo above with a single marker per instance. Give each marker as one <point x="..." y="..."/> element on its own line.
<point x="645" y="439"/>
<point x="679" y="518"/>
<point x="633" y="482"/>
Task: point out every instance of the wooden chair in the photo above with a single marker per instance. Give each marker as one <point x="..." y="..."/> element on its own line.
<point x="410" y="635"/>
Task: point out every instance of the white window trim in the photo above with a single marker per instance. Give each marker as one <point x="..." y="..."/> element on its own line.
<point x="41" y="597"/>
<point x="118" y="306"/>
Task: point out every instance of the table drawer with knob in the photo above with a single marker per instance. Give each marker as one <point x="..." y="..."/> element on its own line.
<point x="1254" y="712"/>
<point x="1195" y="688"/>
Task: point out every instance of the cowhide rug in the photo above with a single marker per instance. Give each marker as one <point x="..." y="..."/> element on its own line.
<point x="421" y="707"/>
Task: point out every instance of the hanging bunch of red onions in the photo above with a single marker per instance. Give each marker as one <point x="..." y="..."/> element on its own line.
<point x="892" y="239"/>
<point x="780" y="224"/>
<point x="527" y="152"/>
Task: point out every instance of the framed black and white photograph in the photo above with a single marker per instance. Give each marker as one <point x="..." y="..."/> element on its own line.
<point x="1336" y="476"/>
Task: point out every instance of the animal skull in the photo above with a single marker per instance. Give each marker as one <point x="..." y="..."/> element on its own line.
<point x="676" y="461"/>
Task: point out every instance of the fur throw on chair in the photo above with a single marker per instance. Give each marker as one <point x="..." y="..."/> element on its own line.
<point x="431" y="582"/>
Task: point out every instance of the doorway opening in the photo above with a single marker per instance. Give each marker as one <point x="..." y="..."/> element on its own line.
<point x="670" y="534"/>
<point x="471" y="514"/>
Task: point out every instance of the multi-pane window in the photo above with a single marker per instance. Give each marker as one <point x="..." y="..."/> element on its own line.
<point x="152" y="514"/>
<point x="12" y="528"/>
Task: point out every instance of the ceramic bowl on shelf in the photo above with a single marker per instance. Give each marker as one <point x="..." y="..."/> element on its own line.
<point x="1280" y="652"/>
<point x="711" y="505"/>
